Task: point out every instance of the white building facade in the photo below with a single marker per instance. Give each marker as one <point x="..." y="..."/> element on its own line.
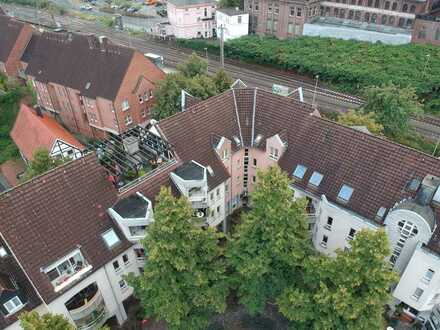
<point x="232" y="22"/>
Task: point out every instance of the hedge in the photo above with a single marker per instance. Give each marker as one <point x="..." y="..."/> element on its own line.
<point x="348" y="65"/>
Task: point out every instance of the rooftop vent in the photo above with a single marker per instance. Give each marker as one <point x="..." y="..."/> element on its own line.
<point x="131" y="144"/>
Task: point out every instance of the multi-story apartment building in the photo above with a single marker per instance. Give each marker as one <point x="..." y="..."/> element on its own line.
<point x="192" y="19"/>
<point x="92" y="86"/>
<point x="351" y="179"/>
<point x="370" y="20"/>
<point x="427" y="28"/>
<point x="14" y="37"/>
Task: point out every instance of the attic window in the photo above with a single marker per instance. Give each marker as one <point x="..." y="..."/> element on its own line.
<point x="88" y="85"/>
<point x="414" y="184"/>
<point x="299" y="172"/>
<point x="110" y="238"/>
<point x="381" y="212"/>
<point x="236" y="140"/>
<point x="345" y="193"/>
<point x="3" y="252"/>
<point x="315" y="179"/>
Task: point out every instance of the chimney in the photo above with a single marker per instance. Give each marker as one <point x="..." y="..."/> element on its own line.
<point x="103" y="42"/>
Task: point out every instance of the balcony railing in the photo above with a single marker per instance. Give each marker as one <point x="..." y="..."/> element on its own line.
<point x="88" y="307"/>
<point x="70" y="277"/>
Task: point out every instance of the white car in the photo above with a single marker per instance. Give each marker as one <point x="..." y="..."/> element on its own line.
<point x="86" y="7"/>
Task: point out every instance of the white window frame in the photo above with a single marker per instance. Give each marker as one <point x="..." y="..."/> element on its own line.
<point x="274" y="153"/>
<point x="128" y="120"/>
<point x="417" y="297"/>
<point x="125" y="105"/>
<point x="111" y="230"/>
<point x="345" y="188"/>
<point x="327" y="225"/>
<point x="323" y="242"/>
<point x="16" y="307"/>
<point x="428" y="279"/>
<point x="316" y="179"/>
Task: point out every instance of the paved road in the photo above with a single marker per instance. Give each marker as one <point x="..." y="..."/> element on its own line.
<point x="253" y="75"/>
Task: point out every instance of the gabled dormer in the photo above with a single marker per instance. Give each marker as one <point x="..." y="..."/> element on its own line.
<point x="275" y="147"/>
<point x="133" y="214"/>
<point x="12" y="299"/>
<point x="191" y="179"/>
<point x="223" y="148"/>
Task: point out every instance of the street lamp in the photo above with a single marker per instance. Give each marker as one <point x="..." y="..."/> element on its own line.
<point x="207" y="60"/>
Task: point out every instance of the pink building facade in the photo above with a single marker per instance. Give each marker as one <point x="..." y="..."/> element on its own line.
<point x="192" y="19"/>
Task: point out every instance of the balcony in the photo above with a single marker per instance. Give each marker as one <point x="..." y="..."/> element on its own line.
<point x="87" y="308"/>
<point x="67" y="270"/>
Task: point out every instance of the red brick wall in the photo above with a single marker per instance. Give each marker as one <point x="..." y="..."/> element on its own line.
<point x="13" y="64"/>
<point x="141" y="77"/>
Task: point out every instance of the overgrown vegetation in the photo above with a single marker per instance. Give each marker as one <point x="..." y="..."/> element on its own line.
<point x="193" y="78"/>
<point x="9" y="105"/>
<point x="41" y="163"/>
<point x="268" y="261"/>
<point x="50" y="6"/>
<point x="349" y="65"/>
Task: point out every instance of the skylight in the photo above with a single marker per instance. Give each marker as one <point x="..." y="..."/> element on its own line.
<point x="316" y="179"/>
<point x="381" y="212"/>
<point x="436" y="198"/>
<point x="110" y="238"/>
<point x="299" y="172"/>
<point x="345" y="193"/>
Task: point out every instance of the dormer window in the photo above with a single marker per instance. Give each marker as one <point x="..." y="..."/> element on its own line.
<point x="13" y="305"/>
<point x="315" y="179"/>
<point x="67" y="270"/>
<point x="345" y="193"/>
<point x="125" y="105"/>
<point x="299" y="172"/>
<point x="3" y="252"/>
<point x="273" y="153"/>
<point x="225" y="155"/>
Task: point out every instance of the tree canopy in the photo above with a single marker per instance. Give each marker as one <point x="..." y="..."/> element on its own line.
<point x="34" y="321"/>
<point x="41" y="162"/>
<point x="350" y="299"/>
<point x="193" y="78"/>
<point x="393" y="107"/>
<point x="270" y="246"/>
<point x="184" y="281"/>
<point x="357" y="118"/>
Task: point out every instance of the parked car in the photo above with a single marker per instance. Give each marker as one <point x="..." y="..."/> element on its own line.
<point x="162" y="12"/>
<point x="85" y="7"/>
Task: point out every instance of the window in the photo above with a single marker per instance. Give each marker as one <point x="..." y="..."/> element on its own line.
<point x="290" y="28"/>
<point x="351" y="234"/>
<point x="3" y="252"/>
<point x="387" y="5"/>
<point x="324" y="241"/>
<point x="256" y="6"/>
<point x="405" y="8"/>
<point x="211" y="196"/>
<point x="367" y="17"/>
<point x="376" y="3"/>
<point x="269" y="8"/>
<point x="125" y="259"/>
<point x="273" y="153"/>
<point x="128" y="120"/>
<point x="13" y="305"/>
<point x="412" y="9"/>
<point x="116" y="265"/>
<point x="299" y="172"/>
<point x="254" y="179"/>
<point x="275" y="26"/>
<point x="329" y="223"/>
<point x="401" y="22"/>
<point x="394" y="6"/>
<point x="140" y="253"/>
<point x="336" y="11"/>
<point x="315" y="179"/>
<point x="60" y="272"/>
<point x="292" y="11"/>
<point x="391" y="20"/>
<point x="299" y="12"/>
<point x="218" y="209"/>
<point x="239" y="19"/>
<point x="143" y="113"/>
<point x="384" y="19"/>
<point x="437" y="34"/>
<point x="125" y="105"/>
<point x="122" y="284"/>
<point x="205" y="12"/>
<point x="269" y="25"/>
<point x="350" y="14"/>
<point x="345" y="193"/>
<point x="146" y="96"/>
<point x="255" y="162"/>
<point x="422" y="33"/>
<point x="110" y="238"/>
<point x="370" y="3"/>
<point x="217" y="193"/>
<point x="428" y="276"/>
<point x="226" y="188"/>
<point x="225" y="154"/>
<point x="417" y="294"/>
<point x="357" y="15"/>
<point x="151" y="94"/>
<point x="141" y="99"/>
<point x="276" y="9"/>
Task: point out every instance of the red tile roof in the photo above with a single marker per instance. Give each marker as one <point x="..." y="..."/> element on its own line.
<point x="32" y="131"/>
<point x="50" y="216"/>
<point x="9" y="32"/>
<point x="10" y="169"/>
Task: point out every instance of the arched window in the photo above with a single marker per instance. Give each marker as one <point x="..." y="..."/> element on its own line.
<point x="383" y="19"/>
<point x="373" y="18"/>
<point x="357" y="15"/>
<point x="342" y="13"/>
<point x="394" y="7"/>
<point x="401" y="21"/>
<point x="367" y="17"/>
<point x="387" y="5"/>
<point x="412" y="9"/>
<point x="353" y="2"/>
<point x="336" y="12"/>
<point x="405" y="8"/>
<point x="409" y="22"/>
<point x="391" y="20"/>
<point x="422" y="33"/>
<point x="350" y="14"/>
<point x="370" y="3"/>
<point x="359" y="2"/>
<point x="376" y="3"/>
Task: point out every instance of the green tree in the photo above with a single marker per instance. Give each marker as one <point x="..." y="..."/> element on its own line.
<point x="34" y="321"/>
<point x="184" y="281"/>
<point x="357" y="118"/>
<point x="168" y="96"/>
<point x="222" y="81"/>
<point x="393" y="107"/>
<point x="346" y="292"/>
<point x="229" y="3"/>
<point x="193" y="66"/>
<point x="41" y="162"/>
<point x="268" y="250"/>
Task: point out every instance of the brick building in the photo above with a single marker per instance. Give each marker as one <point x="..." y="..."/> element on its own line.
<point x="92" y="86"/>
<point x="286" y="19"/>
<point x="426" y="28"/>
<point x="14" y="37"/>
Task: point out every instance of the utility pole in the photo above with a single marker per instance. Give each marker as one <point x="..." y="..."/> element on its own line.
<point x="222" y="45"/>
<point x="314" y="93"/>
<point x="207" y="60"/>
